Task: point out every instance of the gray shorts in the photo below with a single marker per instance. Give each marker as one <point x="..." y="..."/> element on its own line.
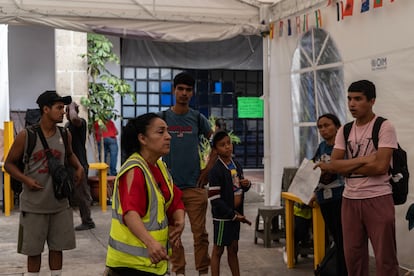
<point x="35" y="229"/>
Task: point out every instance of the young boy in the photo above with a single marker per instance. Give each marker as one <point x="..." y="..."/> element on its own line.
<point x="226" y="193"/>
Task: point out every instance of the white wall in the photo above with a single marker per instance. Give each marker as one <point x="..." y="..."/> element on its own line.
<point x="31" y="64"/>
<point x="383" y="33"/>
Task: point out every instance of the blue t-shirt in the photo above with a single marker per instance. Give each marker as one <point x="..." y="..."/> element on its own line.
<point x="330" y="186"/>
<point x="183" y="159"/>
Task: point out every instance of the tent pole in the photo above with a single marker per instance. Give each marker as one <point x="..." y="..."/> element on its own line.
<point x="264" y="12"/>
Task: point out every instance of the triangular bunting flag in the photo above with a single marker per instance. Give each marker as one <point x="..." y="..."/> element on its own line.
<point x="289" y="28"/>
<point x="280" y="28"/>
<point x="305" y="23"/>
<point x="377" y="4"/>
<point x="365" y="6"/>
<point x="349" y="8"/>
<point x="318" y="18"/>
<point x="271" y="30"/>
<point x="297" y="24"/>
<point x="338" y="12"/>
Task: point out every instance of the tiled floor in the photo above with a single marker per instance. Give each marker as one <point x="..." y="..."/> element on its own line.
<point x="89" y="256"/>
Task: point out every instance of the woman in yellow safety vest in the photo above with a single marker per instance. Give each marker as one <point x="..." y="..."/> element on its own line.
<point x="145" y="202"/>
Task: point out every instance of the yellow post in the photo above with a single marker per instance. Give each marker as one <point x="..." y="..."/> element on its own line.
<point x="318" y="235"/>
<point x="318" y="230"/>
<point x="289" y="225"/>
<point x="8" y="193"/>
<point x="102" y="172"/>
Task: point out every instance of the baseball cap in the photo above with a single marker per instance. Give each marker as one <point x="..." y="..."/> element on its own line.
<point x="410" y="217"/>
<point x="50" y="97"/>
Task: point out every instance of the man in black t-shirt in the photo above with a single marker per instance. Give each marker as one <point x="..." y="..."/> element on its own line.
<point x="78" y="128"/>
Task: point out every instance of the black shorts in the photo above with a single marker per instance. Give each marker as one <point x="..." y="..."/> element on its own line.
<point x="225" y="232"/>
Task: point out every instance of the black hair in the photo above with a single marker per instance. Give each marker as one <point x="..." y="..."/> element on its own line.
<point x="129" y="139"/>
<point x="331" y="117"/>
<point x="218" y="136"/>
<point x="220" y="124"/>
<point x="184" y="78"/>
<point x="364" y="86"/>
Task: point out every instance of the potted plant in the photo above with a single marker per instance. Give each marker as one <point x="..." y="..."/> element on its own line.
<point x="205" y="147"/>
<point x="102" y="86"/>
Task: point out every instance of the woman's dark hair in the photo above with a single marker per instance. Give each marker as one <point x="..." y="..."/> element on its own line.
<point x="331" y="117"/>
<point x="218" y="136"/>
<point x="129" y="139"/>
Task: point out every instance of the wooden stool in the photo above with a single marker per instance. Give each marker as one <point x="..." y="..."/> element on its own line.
<point x="271" y="228"/>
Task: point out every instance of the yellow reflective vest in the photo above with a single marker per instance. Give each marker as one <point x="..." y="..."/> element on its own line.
<point x="124" y="248"/>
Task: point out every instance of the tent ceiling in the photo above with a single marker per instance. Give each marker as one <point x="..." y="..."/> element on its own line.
<point x="179" y="20"/>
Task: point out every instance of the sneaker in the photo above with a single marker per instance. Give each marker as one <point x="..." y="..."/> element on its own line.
<point x="84" y="226"/>
<point x="285" y="258"/>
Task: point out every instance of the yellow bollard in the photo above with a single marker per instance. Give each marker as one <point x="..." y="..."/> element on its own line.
<point x="318" y="230"/>
<point x="8" y="193"/>
<point x="103" y="170"/>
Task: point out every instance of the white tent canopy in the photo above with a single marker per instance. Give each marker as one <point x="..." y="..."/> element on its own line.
<point x="163" y="20"/>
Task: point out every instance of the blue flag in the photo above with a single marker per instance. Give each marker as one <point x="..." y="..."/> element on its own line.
<point x="365" y="6"/>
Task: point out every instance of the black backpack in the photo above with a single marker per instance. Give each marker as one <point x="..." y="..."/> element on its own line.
<point x="399" y="168"/>
<point x="15" y="184"/>
<point x="327" y="267"/>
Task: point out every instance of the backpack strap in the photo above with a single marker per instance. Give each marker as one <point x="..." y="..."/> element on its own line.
<point x="347" y="131"/>
<point x="64" y="133"/>
<point x="31" y="141"/>
<point x="375" y="131"/>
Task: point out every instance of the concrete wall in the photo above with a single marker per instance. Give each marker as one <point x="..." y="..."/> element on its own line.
<point x="31" y="64"/>
<point x="71" y="75"/>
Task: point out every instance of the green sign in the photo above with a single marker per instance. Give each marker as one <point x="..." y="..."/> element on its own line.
<point x="250" y="107"/>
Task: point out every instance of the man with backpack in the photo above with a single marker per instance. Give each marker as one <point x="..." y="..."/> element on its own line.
<point x="43" y="216"/>
<point x="367" y="205"/>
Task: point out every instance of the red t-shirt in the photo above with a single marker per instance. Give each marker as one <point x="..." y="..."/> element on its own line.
<point x="137" y="197"/>
<point x="111" y="130"/>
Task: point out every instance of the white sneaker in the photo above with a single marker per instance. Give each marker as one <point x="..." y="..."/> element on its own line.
<point x="284" y="255"/>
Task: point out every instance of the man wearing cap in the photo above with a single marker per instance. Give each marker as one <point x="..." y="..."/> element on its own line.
<point x="367" y="206"/>
<point x="43" y="217"/>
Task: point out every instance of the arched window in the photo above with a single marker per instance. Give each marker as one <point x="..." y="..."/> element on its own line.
<point x="317" y="88"/>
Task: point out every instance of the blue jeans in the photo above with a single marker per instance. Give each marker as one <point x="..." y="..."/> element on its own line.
<point x="111" y="152"/>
